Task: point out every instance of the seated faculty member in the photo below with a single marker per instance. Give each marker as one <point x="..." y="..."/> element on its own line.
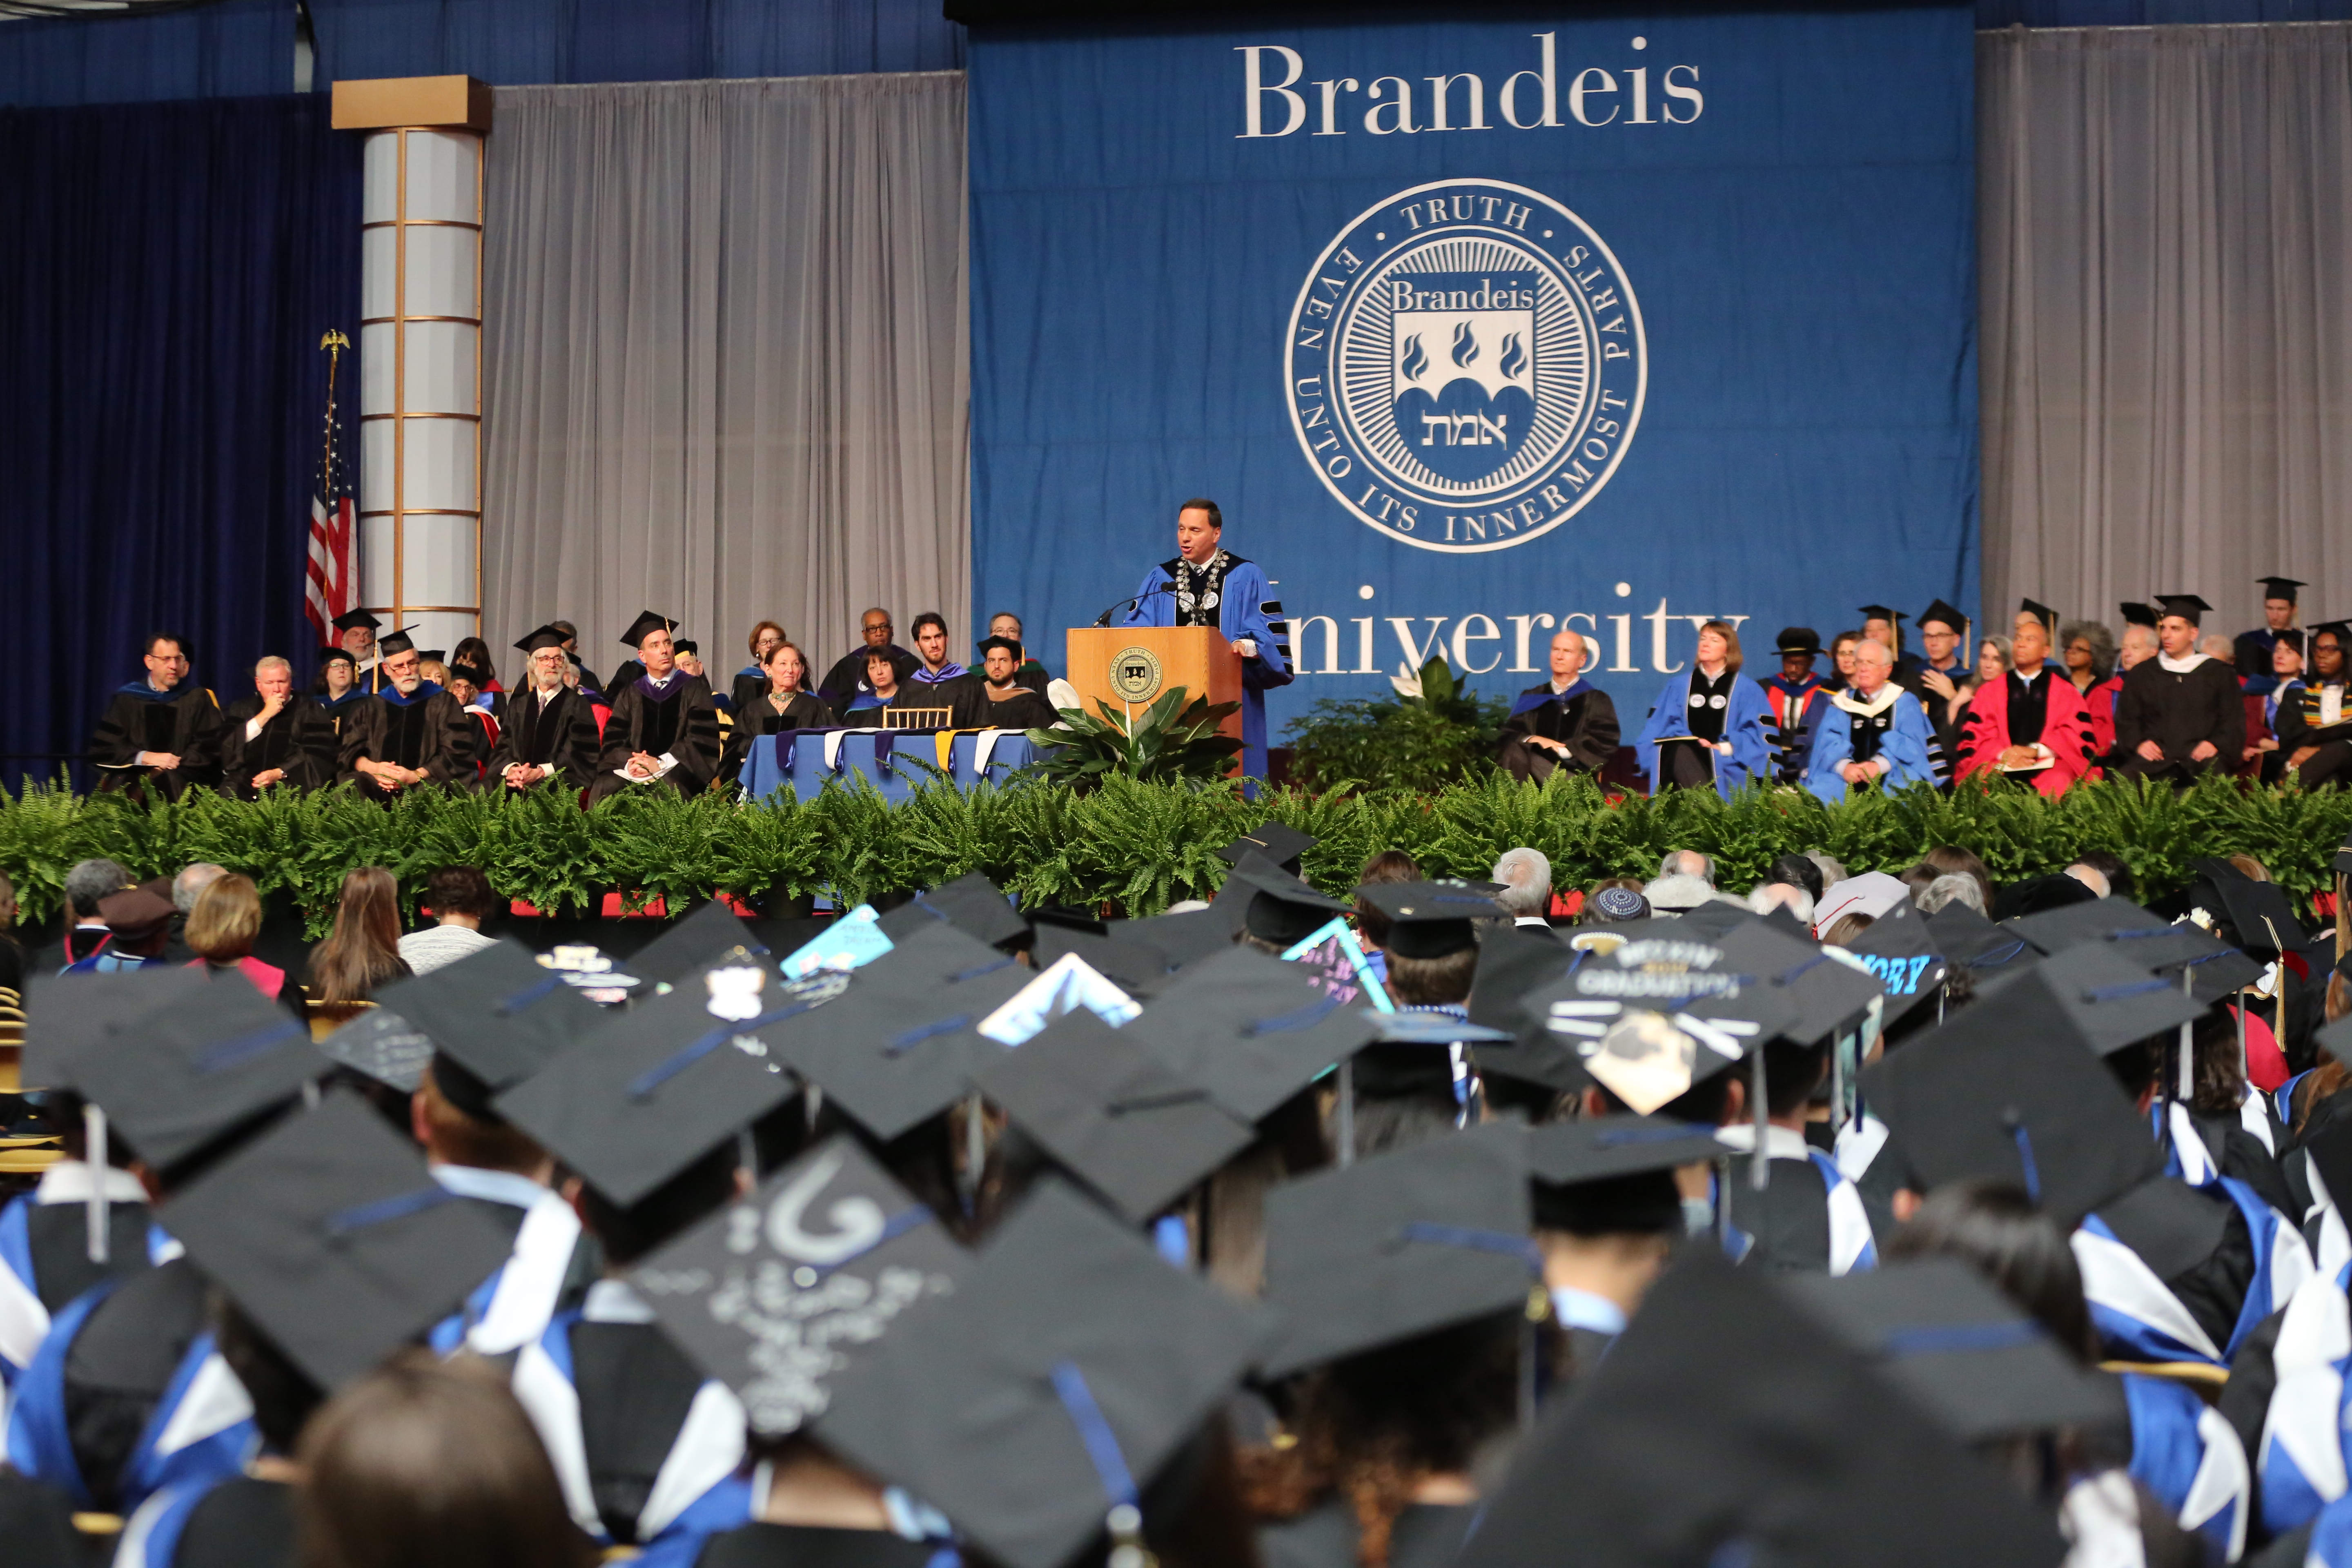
<point x="846" y="679"/>
<point x="355" y="635"/>
<point x="338" y="686"/>
<point x="2253" y="650"/>
<point x="1708" y="726"/>
<point x="1874" y="729"/>
<point x="1003" y="702"/>
<point x="948" y="682"/>
<point x="2034" y="724"/>
<point x="277" y="736"/>
<point x="1028" y="672"/>
<point x="549" y="729"/>
<point x="783" y="702"/>
<point x="1565" y="722"/>
<point x="2315" y="724"/>
<point x="752" y="678"/>
<point x="883" y="694"/>
<point x="410" y="733"/>
<point x="664" y="727"/>
<point x="2181" y="713"/>
<point x="158" y="730"/>
<point x="1208" y="585"/>
<point x="1794" y="700"/>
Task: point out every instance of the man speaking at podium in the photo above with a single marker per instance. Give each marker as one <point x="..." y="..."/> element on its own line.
<point x="1207" y="585"/>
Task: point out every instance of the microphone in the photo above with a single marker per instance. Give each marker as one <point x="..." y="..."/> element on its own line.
<point x="1104" y="619"/>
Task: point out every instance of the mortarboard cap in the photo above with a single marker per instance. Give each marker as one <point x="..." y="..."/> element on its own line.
<point x="2039" y="895"/>
<point x="902" y="1043"/>
<point x="1881" y="612"/>
<point x="1949" y="614"/>
<point x="135" y="914"/>
<point x="382" y="1045"/>
<point x="1405" y="1242"/>
<point x="495" y="1017"/>
<point x="1431" y="919"/>
<point x="2280" y="587"/>
<point x="1651" y="1017"/>
<point x="2187" y="606"/>
<point x="645" y="625"/>
<point x="546" y="636"/>
<point x="972" y="905"/>
<point x="2010" y="1089"/>
<point x="1825" y="993"/>
<point x="1252" y="1030"/>
<point x="1872" y="893"/>
<point x="777" y="1296"/>
<point x="2040" y="612"/>
<point x="1131" y="964"/>
<point x="1179" y="938"/>
<point x="709" y="933"/>
<point x="328" y="655"/>
<point x="2111" y="1001"/>
<point x="466" y="671"/>
<point x="2335" y="1040"/>
<point x="687" y="645"/>
<point x="1965" y="1353"/>
<point x="1512" y="963"/>
<point x="1711" y="917"/>
<point x="1726" y="1424"/>
<point x="649" y="1092"/>
<point x="334" y="1239"/>
<point x="67" y="1015"/>
<point x="1973" y="942"/>
<point x="2216" y="968"/>
<point x="1795" y="641"/>
<point x="1112" y="1113"/>
<point x="351" y="619"/>
<point x="398" y="642"/>
<point x="178" y="1079"/>
<point x="1614" y="1174"/>
<point x="2260" y="912"/>
<point x="1065" y="1371"/>
<point x="2137" y="614"/>
<point x="1901" y="952"/>
<point x="1279" y="842"/>
<point x="1282" y="909"/>
<point x="432" y="655"/>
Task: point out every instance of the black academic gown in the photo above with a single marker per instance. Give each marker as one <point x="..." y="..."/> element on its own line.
<point x="1584" y="719"/>
<point x="561" y="734"/>
<point x="1426" y="1535"/>
<point x="846" y="679"/>
<point x="300" y="740"/>
<point x="636" y="1388"/>
<point x="426" y="730"/>
<point x="759" y="716"/>
<point x="681" y="720"/>
<point x="2177" y="711"/>
<point x="339" y="709"/>
<point x="1024" y="710"/>
<point x="185" y="721"/>
<point x="122" y="1363"/>
<point x="959" y="694"/>
<point x="2299" y="725"/>
<point x="760" y="1545"/>
<point x="240" y="1523"/>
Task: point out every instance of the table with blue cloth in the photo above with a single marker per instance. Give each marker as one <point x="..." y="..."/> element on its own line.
<point x="795" y="760"/>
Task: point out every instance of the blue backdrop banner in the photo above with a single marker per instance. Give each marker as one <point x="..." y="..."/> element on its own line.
<point x="1476" y="329"/>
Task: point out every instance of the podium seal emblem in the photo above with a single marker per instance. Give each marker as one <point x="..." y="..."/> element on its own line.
<point x="1135" y="674"/>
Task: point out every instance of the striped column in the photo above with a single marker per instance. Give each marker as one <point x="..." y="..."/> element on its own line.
<point x="419" y="551"/>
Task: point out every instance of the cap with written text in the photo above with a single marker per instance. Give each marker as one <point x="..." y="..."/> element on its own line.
<point x="1901" y="951"/>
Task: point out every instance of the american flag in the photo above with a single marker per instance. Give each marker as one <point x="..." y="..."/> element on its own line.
<point x="329" y="589"/>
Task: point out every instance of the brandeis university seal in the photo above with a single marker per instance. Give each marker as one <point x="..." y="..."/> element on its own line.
<point x="1466" y="365"/>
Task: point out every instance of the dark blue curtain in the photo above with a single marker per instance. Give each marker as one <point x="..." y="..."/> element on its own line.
<point x="513" y="43"/>
<point x="166" y="275"/>
<point x="233" y="48"/>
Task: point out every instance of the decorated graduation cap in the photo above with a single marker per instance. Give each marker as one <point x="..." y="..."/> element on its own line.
<point x="645" y="625"/>
<point x="1397" y="1245"/>
<point x="545" y="637"/>
<point x="2040" y="612"/>
<point x="1901" y="952"/>
<point x="334" y="1239"/>
<point x="1614" y="1174"/>
<point x="495" y="1017"/>
<point x="2010" y="1089"/>
<point x="2187" y="606"/>
<point x="1949" y="614"/>
<point x="1111" y="1112"/>
<point x="779" y="1295"/>
<point x="1652" y="1019"/>
<point x="1279" y="842"/>
<point x="352" y="619"/>
<point x="178" y="1079"/>
<point x="381" y="1045"/>
<point x="66" y="1016"/>
<point x="649" y="1092"/>
<point x="1039" y="1403"/>
<point x="1968" y="1356"/>
<point x="972" y="905"/>
<point x="903" y="1042"/>
<point x="710" y="934"/>
<point x="1282" y="909"/>
<point x="1431" y="919"/>
<point x="1727" y="1425"/>
<point x="1251" y="1030"/>
<point x="394" y="643"/>
<point x="2137" y="614"/>
<point x="1796" y="642"/>
<point x="2280" y="587"/>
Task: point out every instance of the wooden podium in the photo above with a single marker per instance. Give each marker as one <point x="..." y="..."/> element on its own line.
<point x="1130" y="668"/>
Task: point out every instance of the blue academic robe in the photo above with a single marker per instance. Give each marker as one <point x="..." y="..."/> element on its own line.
<point x="1747" y="724"/>
<point x="2185" y="1453"/>
<point x="1908" y="747"/>
<point x="1247" y="608"/>
<point x="2254" y="650"/>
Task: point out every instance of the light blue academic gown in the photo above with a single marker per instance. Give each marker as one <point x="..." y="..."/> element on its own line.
<point x="1747" y="724"/>
<point x="1908" y="747"/>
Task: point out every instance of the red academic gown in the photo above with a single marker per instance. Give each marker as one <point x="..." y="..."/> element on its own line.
<point x="2102" y="698"/>
<point x="2067" y="730"/>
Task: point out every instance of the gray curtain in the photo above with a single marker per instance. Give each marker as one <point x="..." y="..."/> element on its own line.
<point x="2166" y="271"/>
<point x="724" y="368"/>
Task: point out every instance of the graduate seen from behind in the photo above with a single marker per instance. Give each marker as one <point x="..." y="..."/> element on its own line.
<point x="1708" y="726"/>
<point x="1874" y="729"/>
<point x="1566" y="722"/>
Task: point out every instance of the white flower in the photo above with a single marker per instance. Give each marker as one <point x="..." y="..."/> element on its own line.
<point x="1407" y="681"/>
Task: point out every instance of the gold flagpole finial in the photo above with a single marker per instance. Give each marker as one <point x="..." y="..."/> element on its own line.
<point x="334" y="341"/>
